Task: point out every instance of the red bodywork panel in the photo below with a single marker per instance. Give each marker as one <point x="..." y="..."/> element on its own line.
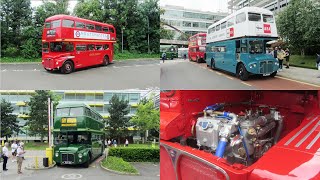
<point x="295" y="156"/>
<point x="77" y="36"/>
<point x="197" y="46"/>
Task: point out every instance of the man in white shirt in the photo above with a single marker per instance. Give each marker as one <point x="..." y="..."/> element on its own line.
<point x="20" y="155"/>
<point x="127" y="142"/>
<point x="5" y="152"/>
<point x="14" y="148"/>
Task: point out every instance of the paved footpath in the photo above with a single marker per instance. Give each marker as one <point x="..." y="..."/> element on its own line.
<point x="301" y="74"/>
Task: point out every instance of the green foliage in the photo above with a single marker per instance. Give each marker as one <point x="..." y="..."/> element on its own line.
<point x="303" y="61"/>
<point x="35" y="146"/>
<point x="31" y="47"/>
<point x="18" y="59"/>
<point x="166" y="34"/>
<point x="118" y="121"/>
<point x="118" y="164"/>
<point x="136" y="154"/>
<point x="9" y="122"/>
<point x="89" y="9"/>
<point x="39" y="112"/>
<point x="299" y="25"/>
<point x="11" y="52"/>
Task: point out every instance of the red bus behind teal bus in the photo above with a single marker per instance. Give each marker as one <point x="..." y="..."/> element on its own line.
<point x="197" y="47"/>
<point x="70" y="43"/>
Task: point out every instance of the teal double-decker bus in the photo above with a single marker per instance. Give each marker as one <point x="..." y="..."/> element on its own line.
<point x="78" y="135"/>
<point x="239" y="43"/>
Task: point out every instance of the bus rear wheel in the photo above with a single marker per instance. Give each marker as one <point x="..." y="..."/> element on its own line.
<point x="106" y="61"/>
<point x="197" y="59"/>
<point x="242" y="73"/>
<point x="67" y="67"/>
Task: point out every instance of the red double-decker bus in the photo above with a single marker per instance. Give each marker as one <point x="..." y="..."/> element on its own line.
<point x="197" y="47"/>
<point x="70" y="43"/>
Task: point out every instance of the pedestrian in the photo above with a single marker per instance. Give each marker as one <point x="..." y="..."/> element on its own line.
<point x="14" y="148"/>
<point x="287" y="52"/>
<point x="318" y="61"/>
<point x="127" y="143"/>
<point x="20" y="155"/>
<point x="106" y="143"/>
<point x="275" y="52"/>
<point x="280" y="56"/>
<point x="109" y="142"/>
<point x="164" y="56"/>
<point x="184" y="57"/>
<point x="5" y="156"/>
<point x="115" y="143"/>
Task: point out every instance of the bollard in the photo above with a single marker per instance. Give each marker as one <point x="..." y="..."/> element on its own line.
<point x="36" y="163"/>
<point x="154" y="143"/>
<point x="2" y="144"/>
<point x="49" y="155"/>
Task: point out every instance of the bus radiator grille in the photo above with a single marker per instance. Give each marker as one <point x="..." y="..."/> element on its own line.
<point x="67" y="157"/>
<point x="266" y="67"/>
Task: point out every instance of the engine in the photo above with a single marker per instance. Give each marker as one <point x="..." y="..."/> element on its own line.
<point x="241" y="138"/>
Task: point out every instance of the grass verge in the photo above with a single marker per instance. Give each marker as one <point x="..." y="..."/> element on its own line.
<point x="117" y="57"/>
<point x="118" y="164"/>
<point x="35" y="146"/>
<point x="304" y="62"/>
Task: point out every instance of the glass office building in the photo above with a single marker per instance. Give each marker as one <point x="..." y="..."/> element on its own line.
<point x="272" y="5"/>
<point x="98" y="100"/>
<point x="187" y="20"/>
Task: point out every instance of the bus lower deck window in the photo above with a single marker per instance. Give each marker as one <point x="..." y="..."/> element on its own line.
<point x="90" y="47"/>
<point x="106" y="46"/>
<point x="81" y="47"/>
<point x="99" y="47"/>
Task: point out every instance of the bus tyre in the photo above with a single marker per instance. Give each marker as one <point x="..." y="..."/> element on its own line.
<point x="105" y="60"/>
<point x="87" y="163"/>
<point x="242" y="73"/>
<point x="197" y="59"/>
<point x="213" y="65"/>
<point x="273" y="74"/>
<point x="58" y="164"/>
<point x="67" y="67"/>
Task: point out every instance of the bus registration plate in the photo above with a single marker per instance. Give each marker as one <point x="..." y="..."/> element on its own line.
<point x="67" y="162"/>
<point x="266" y="74"/>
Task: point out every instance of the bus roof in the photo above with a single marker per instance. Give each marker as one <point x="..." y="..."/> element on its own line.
<point x="63" y="16"/>
<point x="245" y="9"/>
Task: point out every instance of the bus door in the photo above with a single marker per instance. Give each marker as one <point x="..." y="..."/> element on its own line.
<point x="241" y="50"/>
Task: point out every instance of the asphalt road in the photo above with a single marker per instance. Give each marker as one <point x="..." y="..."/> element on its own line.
<point x="132" y="74"/>
<point x="94" y="172"/>
<point x="183" y="74"/>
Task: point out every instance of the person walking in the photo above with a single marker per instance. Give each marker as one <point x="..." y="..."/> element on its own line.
<point x="14" y="148"/>
<point x="115" y="143"/>
<point x="280" y="56"/>
<point x="5" y="156"/>
<point x="20" y="155"/>
<point x="318" y="61"/>
<point x="164" y="55"/>
<point x="127" y="143"/>
<point x="109" y="143"/>
<point x="287" y="52"/>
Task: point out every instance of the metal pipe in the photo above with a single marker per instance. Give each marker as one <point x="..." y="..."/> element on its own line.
<point x="266" y="129"/>
<point x="221" y="147"/>
<point x="278" y="132"/>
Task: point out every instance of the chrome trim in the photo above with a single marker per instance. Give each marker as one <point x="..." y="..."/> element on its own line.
<point x="306" y="136"/>
<point x="181" y="152"/>
<point x="313" y="141"/>
<point x="299" y="132"/>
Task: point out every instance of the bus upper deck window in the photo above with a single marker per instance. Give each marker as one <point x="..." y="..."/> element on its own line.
<point x="55" y="23"/>
<point x="267" y="18"/>
<point x="98" y="28"/>
<point x="112" y="30"/>
<point x="105" y="29"/>
<point x="240" y="18"/>
<point x="90" y="26"/>
<point x="47" y="25"/>
<point x="80" y="25"/>
<point x="254" y="17"/>
<point x="67" y="23"/>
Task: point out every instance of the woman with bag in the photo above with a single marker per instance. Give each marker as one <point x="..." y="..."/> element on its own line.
<point x="5" y="156"/>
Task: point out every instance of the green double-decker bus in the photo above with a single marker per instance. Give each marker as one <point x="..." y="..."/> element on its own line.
<point x="78" y="135"/>
<point x="170" y="50"/>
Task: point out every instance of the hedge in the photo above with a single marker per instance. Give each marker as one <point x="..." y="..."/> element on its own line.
<point x="136" y="154"/>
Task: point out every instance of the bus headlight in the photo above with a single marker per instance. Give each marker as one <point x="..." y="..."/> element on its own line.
<point x="57" y="154"/>
<point x="276" y="63"/>
<point x="253" y="65"/>
<point x="80" y="155"/>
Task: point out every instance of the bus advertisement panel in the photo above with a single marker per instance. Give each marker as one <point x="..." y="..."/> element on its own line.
<point x="197" y="47"/>
<point x="239" y="42"/>
<point x="78" y="135"/>
<point x="70" y="43"/>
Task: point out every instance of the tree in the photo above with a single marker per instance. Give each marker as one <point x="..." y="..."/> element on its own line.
<point x="118" y="122"/>
<point x="299" y="25"/>
<point x="89" y="9"/>
<point x="38" y="121"/>
<point x="9" y="122"/>
<point x="146" y="117"/>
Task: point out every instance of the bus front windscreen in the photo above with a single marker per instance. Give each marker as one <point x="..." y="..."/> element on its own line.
<point x="256" y="47"/>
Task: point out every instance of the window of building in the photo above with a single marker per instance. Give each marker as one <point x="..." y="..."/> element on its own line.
<point x="98" y="97"/>
<point x="80" y="25"/>
<point x="80" y="97"/>
<point x="195" y="24"/>
<point x="107" y="96"/>
<point x="240" y="18"/>
<point x="99" y="109"/>
<point x="67" y="23"/>
<point x="207" y="25"/>
<point x="98" y="28"/>
<point x="223" y="25"/>
<point x="70" y="96"/>
<point x="105" y="29"/>
<point x="254" y="17"/>
<point x="134" y="97"/>
<point x="186" y="24"/>
<point x="90" y="97"/>
<point x="90" y="26"/>
<point x="55" y="23"/>
<point x="267" y="18"/>
<point x="133" y="110"/>
<point x="106" y="107"/>
<point x="81" y="47"/>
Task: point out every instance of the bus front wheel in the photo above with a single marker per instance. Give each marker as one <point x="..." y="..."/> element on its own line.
<point x="242" y="73"/>
<point x="67" y="67"/>
<point x="273" y="74"/>
<point x="86" y="164"/>
<point x="197" y="59"/>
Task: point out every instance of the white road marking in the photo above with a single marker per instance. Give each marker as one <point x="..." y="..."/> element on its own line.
<point x="71" y="176"/>
<point x="246" y="84"/>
